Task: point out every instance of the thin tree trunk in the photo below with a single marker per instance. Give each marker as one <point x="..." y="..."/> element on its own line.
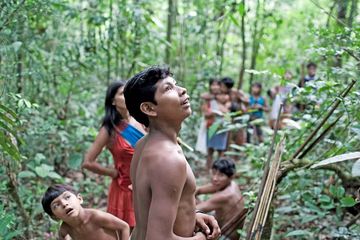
<point x="221" y="48"/>
<point x="169" y="30"/>
<point x="243" y="53"/>
<point x="108" y="50"/>
<point x="353" y="12"/>
<point x="257" y="38"/>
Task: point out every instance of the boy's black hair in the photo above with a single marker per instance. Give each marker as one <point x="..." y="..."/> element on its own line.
<point x="225" y="166"/>
<point x="311" y="64"/>
<point x="229" y="83"/>
<point x="53" y="192"/>
<point x="141" y="88"/>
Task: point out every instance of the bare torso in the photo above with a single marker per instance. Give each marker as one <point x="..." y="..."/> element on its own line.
<point x="89" y="230"/>
<point x="233" y="203"/>
<point x="143" y="160"/>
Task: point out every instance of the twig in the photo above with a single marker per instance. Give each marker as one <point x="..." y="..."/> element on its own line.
<point x="352" y="54"/>
<point x="319" y="138"/>
<point x="349" y="224"/>
<point x="329" y="13"/>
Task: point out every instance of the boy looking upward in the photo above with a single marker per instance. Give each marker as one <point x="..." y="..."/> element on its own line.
<point x="61" y="202"/>
<point x="163" y="182"/>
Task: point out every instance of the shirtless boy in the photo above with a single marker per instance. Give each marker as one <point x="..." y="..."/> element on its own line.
<point x="226" y="199"/>
<point x="61" y="202"/>
<point x="163" y="182"/>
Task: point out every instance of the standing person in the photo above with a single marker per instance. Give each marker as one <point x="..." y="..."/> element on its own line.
<point x="279" y="95"/>
<point x="163" y="182"/>
<point x="207" y="119"/>
<point x="311" y="68"/>
<point x="238" y="102"/>
<point x="119" y="133"/>
<point x="218" y="142"/>
<point x="258" y="103"/>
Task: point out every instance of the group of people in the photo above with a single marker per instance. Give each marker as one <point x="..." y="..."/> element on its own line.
<point x="223" y="99"/>
<point x="153" y="193"/>
<point x="153" y="190"/>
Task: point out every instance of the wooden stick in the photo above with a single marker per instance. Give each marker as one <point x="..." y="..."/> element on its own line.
<point x="269" y="190"/>
<point x="265" y="174"/>
<point x="312" y="135"/>
<point x="319" y="138"/>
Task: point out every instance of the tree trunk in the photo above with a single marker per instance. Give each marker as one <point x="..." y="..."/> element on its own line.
<point x="170" y="23"/>
<point x="243" y="53"/>
<point x="108" y="50"/>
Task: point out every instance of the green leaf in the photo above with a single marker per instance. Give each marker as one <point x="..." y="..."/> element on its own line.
<point x="41" y="171"/>
<point x="26" y="174"/>
<point x="298" y="233"/>
<point x="355" y="170"/>
<point x="241" y="9"/>
<point x="213" y="128"/>
<point x="233" y="19"/>
<point x="338" y="158"/>
<point x="75" y="161"/>
<point x="325" y="199"/>
<point x="54" y="175"/>
<point x="347" y="202"/>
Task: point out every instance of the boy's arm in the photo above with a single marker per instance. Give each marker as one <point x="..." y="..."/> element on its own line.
<point x="108" y="221"/>
<point x="208" y="188"/>
<point x="167" y="180"/>
<point x="210" y="205"/>
<point x="63" y="233"/>
<point x="265" y="107"/>
<point x="90" y="157"/>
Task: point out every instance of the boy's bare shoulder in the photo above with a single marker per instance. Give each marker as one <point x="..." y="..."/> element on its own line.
<point x="64" y="230"/>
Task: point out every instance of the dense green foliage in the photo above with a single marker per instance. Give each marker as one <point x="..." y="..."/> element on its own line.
<point x="57" y="57"/>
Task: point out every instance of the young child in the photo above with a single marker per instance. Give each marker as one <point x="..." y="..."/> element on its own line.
<point x="258" y="103"/>
<point x="61" y="202"/>
<point x="218" y="142"/>
<point x="226" y="199"/>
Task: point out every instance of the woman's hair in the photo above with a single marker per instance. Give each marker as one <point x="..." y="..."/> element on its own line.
<point x="53" y="192"/>
<point x="112" y="117"/>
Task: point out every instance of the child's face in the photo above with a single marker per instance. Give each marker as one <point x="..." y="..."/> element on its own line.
<point x="219" y="179"/>
<point x="255" y="90"/>
<point x="223" y="98"/>
<point x="215" y="88"/>
<point x="66" y="206"/>
<point x="311" y="70"/>
<point x="224" y="88"/>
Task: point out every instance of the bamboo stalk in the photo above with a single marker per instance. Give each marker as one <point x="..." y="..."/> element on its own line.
<point x="331" y="111"/>
<point x="265" y="174"/>
<point x="269" y="189"/>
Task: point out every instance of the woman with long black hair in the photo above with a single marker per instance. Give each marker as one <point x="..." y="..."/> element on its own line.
<point x="119" y="133"/>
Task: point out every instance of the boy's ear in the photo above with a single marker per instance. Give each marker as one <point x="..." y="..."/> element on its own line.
<point x="80" y="198"/>
<point x="148" y="108"/>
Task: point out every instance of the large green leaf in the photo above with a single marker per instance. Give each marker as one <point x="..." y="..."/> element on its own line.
<point x="338" y="158"/>
<point x="298" y="233"/>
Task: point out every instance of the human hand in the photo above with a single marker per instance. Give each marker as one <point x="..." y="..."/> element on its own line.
<point x="208" y="224"/>
<point x="114" y="173"/>
<point x="130" y="187"/>
<point x="201" y="235"/>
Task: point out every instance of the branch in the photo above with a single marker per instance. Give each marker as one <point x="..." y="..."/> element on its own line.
<point x="329" y="13"/>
